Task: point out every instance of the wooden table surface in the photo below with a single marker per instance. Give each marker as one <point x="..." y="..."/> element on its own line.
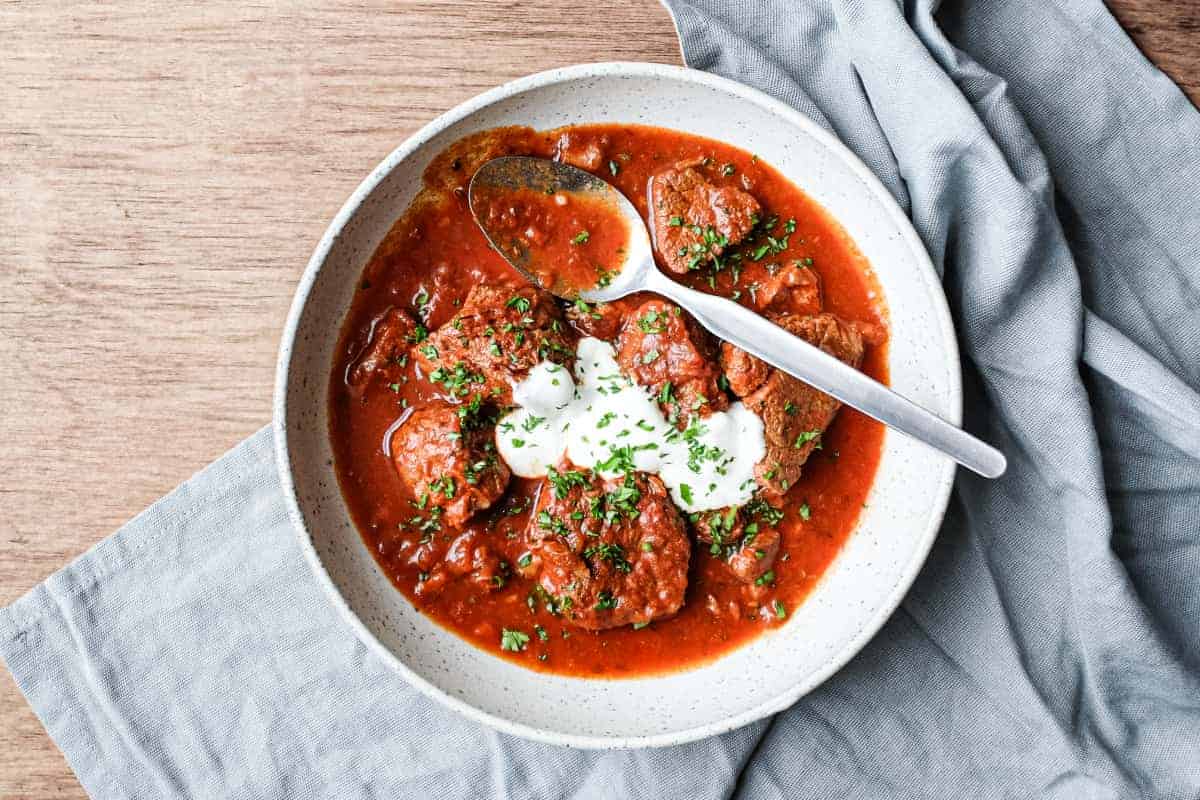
<point x="165" y="171"/>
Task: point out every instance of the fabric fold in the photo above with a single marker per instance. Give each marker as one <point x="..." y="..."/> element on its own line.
<point x="1031" y="612"/>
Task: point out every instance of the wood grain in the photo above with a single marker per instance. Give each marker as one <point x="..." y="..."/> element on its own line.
<point x="165" y="170"/>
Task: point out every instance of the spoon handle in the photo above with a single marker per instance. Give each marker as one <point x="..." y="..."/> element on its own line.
<point x="756" y="335"/>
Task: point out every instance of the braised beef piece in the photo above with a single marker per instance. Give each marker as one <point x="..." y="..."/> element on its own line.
<point x="497" y="336"/>
<point x="695" y="220"/>
<point x="392" y="334"/>
<point x="601" y="320"/>
<point x="743" y="372"/>
<point x="791" y="289"/>
<point x="586" y="151"/>
<point x="664" y="349"/>
<point x="747" y="548"/>
<point x="794" y="414"/>
<point x="469" y="557"/>
<point x="755" y="554"/>
<point x="614" y="552"/>
<point x="446" y="457"/>
<point x="718" y="527"/>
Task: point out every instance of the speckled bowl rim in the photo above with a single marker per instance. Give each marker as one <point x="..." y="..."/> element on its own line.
<point x="940" y="309"/>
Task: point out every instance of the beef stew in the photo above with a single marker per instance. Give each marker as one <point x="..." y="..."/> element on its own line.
<point x="603" y="569"/>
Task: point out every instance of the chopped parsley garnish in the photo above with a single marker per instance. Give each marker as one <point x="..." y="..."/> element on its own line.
<point x="457" y="380"/>
<point x="805" y="437"/>
<point x="531" y="423"/>
<point x="652" y="322"/>
<point x="647" y="546"/>
<point x="513" y="641"/>
<point x="583" y="308"/>
<point x="675" y="222"/>
<point x="805" y="512"/>
<point x="549" y="602"/>
<point x="521" y="304"/>
<point x="581" y="238"/>
<point x="471" y="416"/>
<point x="541" y="633"/>
<point x="549" y="523"/>
<point x="720" y="528"/>
<point x="605" y="602"/>
<point x="563" y="481"/>
<point x="685" y="492"/>
<point x="765" y="578"/>
<point x="622" y="501"/>
<point x="764" y="511"/>
<point x="613" y="553"/>
<point x="780" y="609"/>
<point x="525" y="560"/>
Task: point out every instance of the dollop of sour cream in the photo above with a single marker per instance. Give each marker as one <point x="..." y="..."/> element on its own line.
<point x="601" y="420"/>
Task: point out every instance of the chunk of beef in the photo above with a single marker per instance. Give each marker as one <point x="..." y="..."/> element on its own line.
<point x="601" y="320"/>
<point x="449" y="463"/>
<point x="755" y="554"/>
<point x="744" y="372"/>
<point x="718" y="528"/>
<point x="392" y="334"/>
<point x="793" y="289"/>
<point x="794" y="414"/>
<point x="747" y="548"/>
<point x="695" y="220"/>
<point x="469" y="557"/>
<point x="614" y="552"/>
<point x="497" y="336"/>
<point x="664" y="349"/>
<point x="583" y="150"/>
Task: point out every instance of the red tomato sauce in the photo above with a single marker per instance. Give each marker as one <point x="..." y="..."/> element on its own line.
<point x="570" y="243"/>
<point x="426" y="265"/>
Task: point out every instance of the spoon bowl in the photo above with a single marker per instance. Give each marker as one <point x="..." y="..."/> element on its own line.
<point x="492" y="194"/>
<point x="545" y="178"/>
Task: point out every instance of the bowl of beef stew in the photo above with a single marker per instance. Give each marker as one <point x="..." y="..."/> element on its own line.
<point x="594" y="524"/>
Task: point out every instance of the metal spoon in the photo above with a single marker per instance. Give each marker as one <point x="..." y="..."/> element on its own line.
<point x="724" y="318"/>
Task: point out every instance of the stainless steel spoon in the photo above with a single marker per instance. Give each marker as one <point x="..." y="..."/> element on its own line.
<point x="724" y="318"/>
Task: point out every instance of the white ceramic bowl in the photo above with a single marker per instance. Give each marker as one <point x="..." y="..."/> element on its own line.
<point x="858" y="592"/>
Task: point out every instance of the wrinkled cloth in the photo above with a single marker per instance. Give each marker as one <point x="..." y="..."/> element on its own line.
<point x="1051" y="645"/>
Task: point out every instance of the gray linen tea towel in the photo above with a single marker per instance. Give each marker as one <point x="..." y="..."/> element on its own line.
<point x="1051" y="646"/>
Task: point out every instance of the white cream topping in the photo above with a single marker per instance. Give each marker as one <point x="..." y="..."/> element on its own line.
<point x="602" y="420"/>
